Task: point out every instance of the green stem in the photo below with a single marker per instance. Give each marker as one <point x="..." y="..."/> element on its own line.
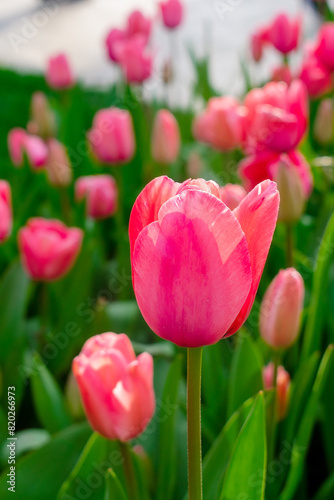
<point x="289" y="245"/>
<point x="271" y="451"/>
<point x="194" y="358"/>
<point x="130" y="477"/>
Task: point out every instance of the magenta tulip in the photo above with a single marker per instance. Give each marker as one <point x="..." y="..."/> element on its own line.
<point x="116" y="387"/>
<point x="316" y="77"/>
<point x="258" y="40"/>
<point x="48" y="248"/>
<point x="172" y="13"/>
<point x="232" y="195"/>
<point x="138" y="24"/>
<point x="59" y="74"/>
<point x="101" y="195"/>
<point x="114" y="38"/>
<point x="324" y="47"/>
<point x="284" y="33"/>
<point x="6" y="216"/>
<point x="196" y="264"/>
<point x="134" y="59"/>
<point x="282" y="74"/>
<point x="165" y="144"/>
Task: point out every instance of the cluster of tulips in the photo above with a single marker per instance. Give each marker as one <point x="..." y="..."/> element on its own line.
<point x="197" y="249"/>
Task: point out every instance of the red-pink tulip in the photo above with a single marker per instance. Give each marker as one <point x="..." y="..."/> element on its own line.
<point x="165" y="144"/>
<point x="135" y="61"/>
<point x="19" y="142"/>
<point x="112" y="137"/>
<point x="282" y="387"/>
<point x="116" y="387"/>
<point x="48" y="248"/>
<point x="113" y="40"/>
<point x="59" y="73"/>
<point x="6" y="217"/>
<point x="58" y="165"/>
<point x="232" y="195"/>
<point x="258" y="40"/>
<point x="284" y="33"/>
<point x="196" y="265"/>
<point x="221" y="124"/>
<point x="324" y="47"/>
<point x="138" y="24"/>
<point x="281" y="309"/>
<point x="282" y="74"/>
<point x="172" y="13"/>
<point x="101" y="195"/>
<point x="277" y="116"/>
<point x="316" y="77"/>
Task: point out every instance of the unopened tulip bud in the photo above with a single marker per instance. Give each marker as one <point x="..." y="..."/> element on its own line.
<point x="59" y="73"/>
<point x="16" y="139"/>
<point x="165" y="138"/>
<point x="42" y="116"/>
<point x="58" y="166"/>
<point x="232" y="195"/>
<point x="20" y="143"/>
<point x="172" y="13"/>
<point x="282" y="74"/>
<point x="281" y="309"/>
<point x="73" y="399"/>
<point x="282" y="387"/>
<point x="194" y="165"/>
<point x="134" y="59"/>
<point x="138" y="24"/>
<point x="6" y="217"/>
<point x="324" y="122"/>
<point x="291" y="192"/>
<point x="101" y="194"/>
<point x="284" y="33"/>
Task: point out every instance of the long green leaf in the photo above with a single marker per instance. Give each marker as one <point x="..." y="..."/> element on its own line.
<point x="114" y="489"/>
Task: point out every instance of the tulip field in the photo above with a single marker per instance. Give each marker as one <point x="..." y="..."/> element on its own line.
<point x="167" y="274"/>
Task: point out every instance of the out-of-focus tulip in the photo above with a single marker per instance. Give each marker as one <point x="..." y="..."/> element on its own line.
<point x="138" y="24"/>
<point x="324" y="47"/>
<point x="194" y="165"/>
<point x="19" y="142"/>
<point x="112" y="137"/>
<point x="281" y="309"/>
<point x="316" y="77"/>
<point x="16" y="139"/>
<point x="258" y="40"/>
<point x="277" y="116"/>
<point x="282" y="387"/>
<point x="196" y="265"/>
<point x="221" y="124"/>
<point x="58" y="166"/>
<point x="172" y="13"/>
<point x="6" y="217"/>
<point x="73" y="399"/>
<point x="324" y="122"/>
<point x="42" y="116"/>
<point x="291" y="191"/>
<point x="116" y="387"/>
<point x="59" y="73"/>
<point x="113" y="40"/>
<point x="48" y="248"/>
<point x="101" y="195"/>
<point x="284" y="33"/>
<point x="165" y="144"/>
<point x="135" y="61"/>
<point x="232" y="195"/>
<point x="282" y="74"/>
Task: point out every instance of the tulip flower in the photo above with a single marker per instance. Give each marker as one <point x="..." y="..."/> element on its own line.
<point x="42" y="118"/>
<point x="196" y="265"/>
<point x="282" y="387"/>
<point x="101" y="194"/>
<point x="221" y="124"/>
<point x="276" y="117"/>
<point x="59" y="74"/>
<point x="324" y="122"/>
<point x="281" y="309"/>
<point x="48" y="248"/>
<point x="16" y="139"/>
<point x="284" y="33"/>
<point x="258" y="40"/>
<point x="165" y="143"/>
<point x="282" y="74"/>
<point x="112" y="137"/>
<point x="172" y="13"/>
<point x="116" y="387"/>
<point x="316" y="77"/>
<point x="232" y="195"/>
<point x="138" y="24"/>
<point x="324" y="47"/>
<point x="58" y="166"/>
<point x="6" y="217"/>
<point x="135" y="61"/>
<point x="114" y="39"/>
<point x="19" y="142"/>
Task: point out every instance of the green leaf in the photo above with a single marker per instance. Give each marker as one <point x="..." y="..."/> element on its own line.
<point x="40" y="474"/>
<point x="246" y="373"/>
<point x="246" y="471"/>
<point x="167" y="449"/>
<point x="114" y="489"/>
<point x="48" y="399"/>
<point x="27" y="440"/>
<point x="326" y="492"/>
<point x="304" y="433"/>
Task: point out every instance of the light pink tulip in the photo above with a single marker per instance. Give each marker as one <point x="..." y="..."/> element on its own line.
<point x="42" y="117"/>
<point x="138" y="24"/>
<point x="282" y="387"/>
<point x="282" y="74"/>
<point x="16" y="139"/>
<point x="172" y="13"/>
<point x="59" y="73"/>
<point x="196" y="265"/>
<point x="324" y="47"/>
<point x="232" y="195"/>
<point x="281" y="309"/>
<point x="221" y="124"/>
<point x="114" y="38"/>
<point x="316" y="77"/>
<point x="134" y="59"/>
<point x="112" y="137"/>
<point x="116" y="387"/>
<point x="101" y="195"/>
<point x="165" y="144"/>
<point x="19" y="142"/>
<point x="58" y="166"/>
<point x="48" y="248"/>
<point x="284" y="33"/>
<point x="6" y="216"/>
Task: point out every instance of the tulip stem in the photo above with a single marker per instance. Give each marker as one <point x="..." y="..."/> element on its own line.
<point x="271" y="451"/>
<point x="289" y="245"/>
<point x="194" y="358"/>
<point x="129" y="471"/>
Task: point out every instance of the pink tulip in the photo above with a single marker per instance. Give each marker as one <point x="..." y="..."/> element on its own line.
<point x="112" y="137"/>
<point x="284" y="33"/>
<point x="165" y="143"/>
<point x="16" y="139"/>
<point x="6" y="217"/>
<point x="138" y="24"/>
<point x="116" y="387"/>
<point x="316" y="77"/>
<point x="19" y="142"/>
<point x="277" y="116"/>
<point x="101" y="195"/>
<point x="172" y="13"/>
<point x="114" y="39"/>
<point x="324" y="47"/>
<point x="232" y="195"/>
<point x="135" y="61"/>
<point x="42" y="117"/>
<point x="282" y="387"/>
<point x="58" y="166"/>
<point x="282" y="74"/>
<point x="281" y="309"/>
<point x="258" y="40"/>
<point x="48" y="248"/>
<point x="59" y="73"/>
<point x="221" y="124"/>
<point x="196" y="265"/>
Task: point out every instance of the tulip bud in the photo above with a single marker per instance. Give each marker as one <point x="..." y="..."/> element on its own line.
<point x="258" y="40"/>
<point x="284" y="33"/>
<point x="19" y="142"/>
<point x="324" y="122"/>
<point x="114" y="38"/>
<point x="282" y="74"/>
<point x="138" y="24"/>
<point x="135" y="61"/>
<point x="16" y="139"/>
<point x="194" y="165"/>
<point x="165" y="143"/>
<point x="101" y="194"/>
<point x="6" y="217"/>
<point x="282" y="387"/>
<point x="172" y="13"/>
<point x="73" y="399"/>
<point x="59" y="73"/>
<point x="58" y="165"/>
<point x="42" y="118"/>
<point x="291" y="192"/>
<point x="281" y="309"/>
<point x="116" y="387"/>
<point x="232" y="195"/>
